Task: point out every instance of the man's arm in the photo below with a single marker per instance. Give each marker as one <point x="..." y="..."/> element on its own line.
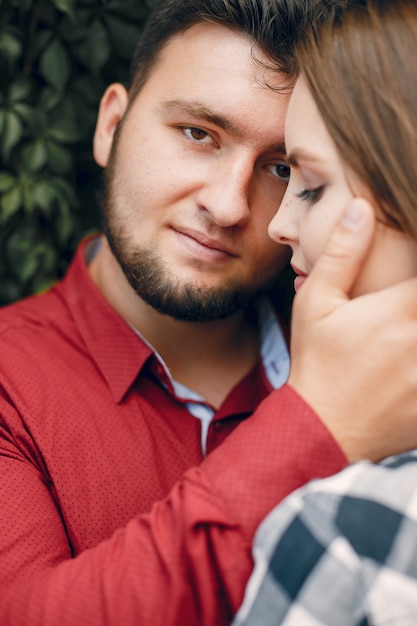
<point x="186" y="562"/>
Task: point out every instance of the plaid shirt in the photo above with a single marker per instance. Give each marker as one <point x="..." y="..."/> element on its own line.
<point x="340" y="552"/>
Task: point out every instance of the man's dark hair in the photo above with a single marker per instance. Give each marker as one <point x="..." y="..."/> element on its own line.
<point x="270" y="25"/>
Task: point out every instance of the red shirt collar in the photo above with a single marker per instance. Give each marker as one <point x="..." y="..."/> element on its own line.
<point x="115" y="348"/>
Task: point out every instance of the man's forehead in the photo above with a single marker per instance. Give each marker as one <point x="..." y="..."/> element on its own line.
<point x="200" y="31"/>
<point x="213" y="43"/>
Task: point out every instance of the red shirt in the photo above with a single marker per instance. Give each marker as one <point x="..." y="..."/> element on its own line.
<point x="94" y="453"/>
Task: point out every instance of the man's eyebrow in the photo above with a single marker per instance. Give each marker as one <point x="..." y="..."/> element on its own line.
<point x="197" y="110"/>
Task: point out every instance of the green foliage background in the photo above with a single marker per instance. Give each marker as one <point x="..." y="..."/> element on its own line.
<point x="56" y="59"/>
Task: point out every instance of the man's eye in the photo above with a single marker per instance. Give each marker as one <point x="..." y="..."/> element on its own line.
<point x="197" y="134"/>
<point x="311" y="195"/>
<point x="281" y="171"/>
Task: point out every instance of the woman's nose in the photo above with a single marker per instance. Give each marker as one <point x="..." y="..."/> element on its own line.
<point x="284" y="225"/>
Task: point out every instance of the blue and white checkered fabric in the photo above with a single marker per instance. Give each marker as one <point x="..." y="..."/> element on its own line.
<point x="340" y="552"/>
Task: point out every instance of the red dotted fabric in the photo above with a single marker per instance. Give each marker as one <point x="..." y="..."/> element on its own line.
<point x="89" y="442"/>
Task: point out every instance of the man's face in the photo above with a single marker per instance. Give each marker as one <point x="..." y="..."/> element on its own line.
<point x="195" y="176"/>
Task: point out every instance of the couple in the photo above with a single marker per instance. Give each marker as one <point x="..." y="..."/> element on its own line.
<point x="146" y="429"/>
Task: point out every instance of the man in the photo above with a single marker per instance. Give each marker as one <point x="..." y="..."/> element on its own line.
<point x="120" y="384"/>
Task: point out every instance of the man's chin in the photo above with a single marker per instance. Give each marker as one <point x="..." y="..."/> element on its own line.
<point x="157" y="285"/>
<point x="194" y="309"/>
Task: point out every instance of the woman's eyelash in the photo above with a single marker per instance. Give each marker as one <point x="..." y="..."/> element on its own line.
<point x="312" y="195"/>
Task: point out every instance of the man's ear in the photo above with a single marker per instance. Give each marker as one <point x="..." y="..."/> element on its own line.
<point x="112" y="107"/>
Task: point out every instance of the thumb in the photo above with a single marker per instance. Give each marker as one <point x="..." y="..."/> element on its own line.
<point x="339" y="264"/>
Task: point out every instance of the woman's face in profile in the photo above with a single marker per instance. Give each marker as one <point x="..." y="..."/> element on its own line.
<point x="319" y="189"/>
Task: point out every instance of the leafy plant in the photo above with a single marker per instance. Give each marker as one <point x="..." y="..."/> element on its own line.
<point x="56" y="59"/>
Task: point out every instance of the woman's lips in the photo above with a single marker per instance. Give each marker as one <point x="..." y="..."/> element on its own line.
<point x="299" y="279"/>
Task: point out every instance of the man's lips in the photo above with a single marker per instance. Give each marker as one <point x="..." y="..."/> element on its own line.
<point x="204" y="245"/>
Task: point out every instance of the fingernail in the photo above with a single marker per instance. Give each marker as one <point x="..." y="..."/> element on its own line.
<point x="353" y="215"/>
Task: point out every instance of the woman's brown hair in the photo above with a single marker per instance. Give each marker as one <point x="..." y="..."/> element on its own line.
<point x="360" y="63"/>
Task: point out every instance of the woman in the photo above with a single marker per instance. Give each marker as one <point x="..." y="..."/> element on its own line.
<point x="343" y="551"/>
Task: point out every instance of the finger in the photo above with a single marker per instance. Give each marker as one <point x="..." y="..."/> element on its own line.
<point x="341" y="260"/>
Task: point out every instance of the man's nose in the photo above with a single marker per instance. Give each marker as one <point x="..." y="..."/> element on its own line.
<point x="227" y="192"/>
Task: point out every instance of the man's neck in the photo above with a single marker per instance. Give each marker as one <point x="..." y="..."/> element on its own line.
<point x="209" y="358"/>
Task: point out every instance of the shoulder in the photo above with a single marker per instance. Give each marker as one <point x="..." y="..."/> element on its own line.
<point x="28" y="322"/>
<point x="350" y="538"/>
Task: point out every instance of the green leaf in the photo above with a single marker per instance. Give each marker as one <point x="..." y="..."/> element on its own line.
<point x="10" y="203"/>
<point x="42" y="284"/>
<point x="44" y="195"/>
<point x="28" y="199"/>
<point x="35" y="155"/>
<point x="7" y="181"/>
<point x="47" y="13"/>
<point x="18" y="244"/>
<point x="22" y="4"/>
<point x="66" y="6"/>
<point x="56" y="58"/>
<point x="95" y="50"/>
<point x="65" y="224"/>
<point x="9" y="290"/>
<point x="10" y="47"/>
<point x="67" y="191"/>
<point x="2" y="119"/>
<point x="64" y="133"/>
<point x="89" y="90"/>
<point x="49" y="98"/>
<point x="47" y="256"/>
<point x="27" y="266"/>
<point x="40" y="41"/>
<point x="55" y="65"/>
<point x="29" y="258"/>
<point x="70" y="34"/>
<point x="12" y="133"/>
<point x="19" y="90"/>
<point x="124" y="35"/>
<point x="27" y="114"/>
<point x="60" y="159"/>
<point x="131" y="10"/>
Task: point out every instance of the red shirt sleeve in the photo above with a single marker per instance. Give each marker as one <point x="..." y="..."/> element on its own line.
<point x="187" y="562"/>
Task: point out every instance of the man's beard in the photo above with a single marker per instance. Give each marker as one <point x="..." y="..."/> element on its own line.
<point x="154" y="282"/>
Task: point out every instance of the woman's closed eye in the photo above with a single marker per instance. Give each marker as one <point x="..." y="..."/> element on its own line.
<point x="311" y="195"/>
